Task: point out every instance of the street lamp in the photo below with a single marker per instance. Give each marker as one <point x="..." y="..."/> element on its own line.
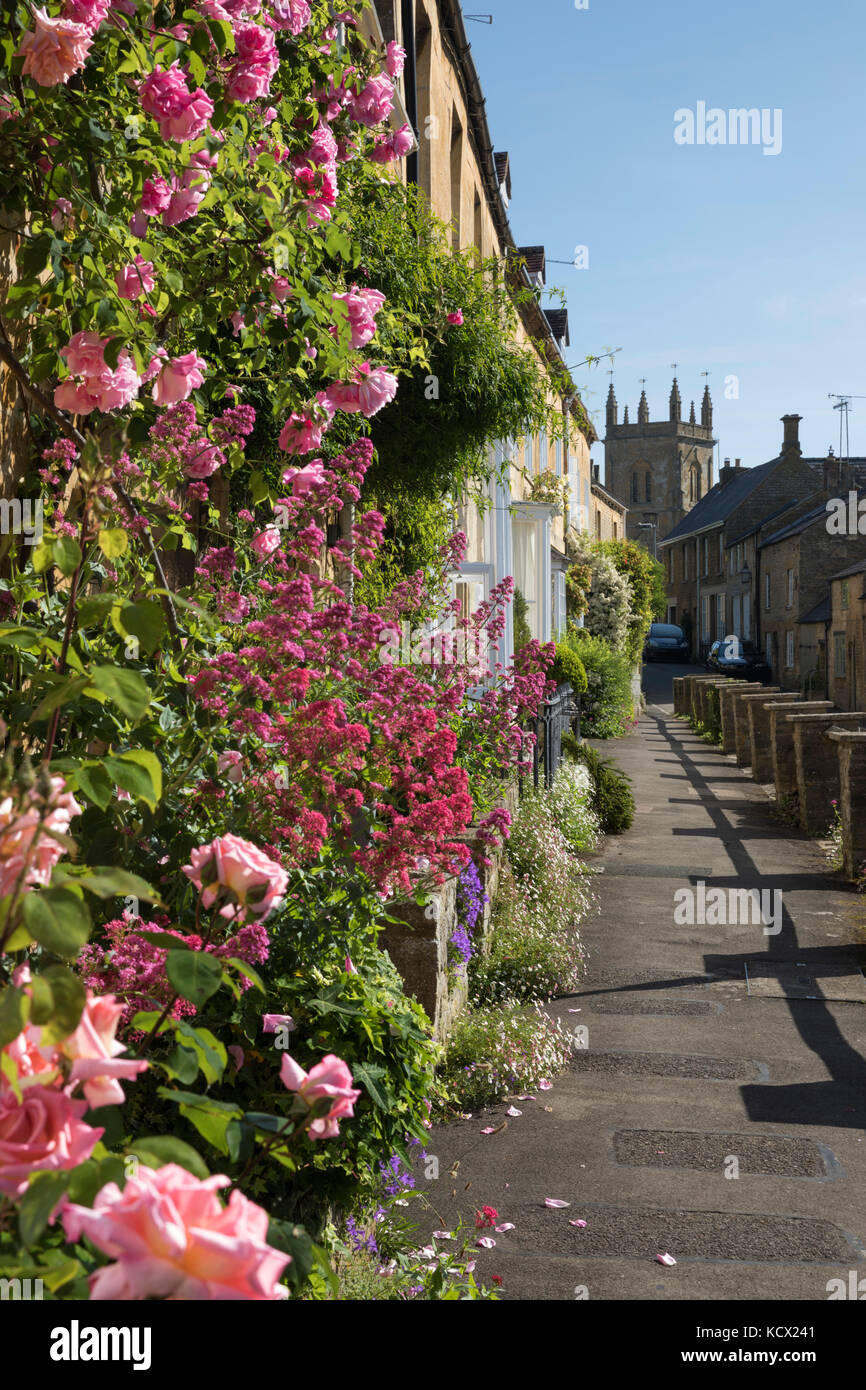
<point x="649" y="526"/>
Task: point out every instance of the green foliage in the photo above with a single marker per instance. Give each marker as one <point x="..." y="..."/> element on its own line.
<point x="499" y="1051"/>
<point x="522" y="633"/>
<point x="606" y="706"/>
<point x="567" y="665"/>
<point x="461" y="387"/>
<point x="613" y="800"/>
<point x="646" y="581"/>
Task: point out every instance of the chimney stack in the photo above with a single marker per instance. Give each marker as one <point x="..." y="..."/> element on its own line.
<point x="736" y="463"/>
<point x="726" y="473"/>
<point x="791" y="439"/>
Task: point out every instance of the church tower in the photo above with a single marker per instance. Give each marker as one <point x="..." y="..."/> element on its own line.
<point x="658" y="468"/>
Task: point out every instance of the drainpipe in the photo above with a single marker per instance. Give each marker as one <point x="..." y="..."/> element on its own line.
<point x="410" y="84"/>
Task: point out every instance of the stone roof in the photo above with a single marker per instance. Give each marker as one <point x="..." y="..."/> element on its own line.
<point x="819" y="614"/>
<point x="715" y="506"/>
<point x="802" y="523"/>
<point x="857" y="568"/>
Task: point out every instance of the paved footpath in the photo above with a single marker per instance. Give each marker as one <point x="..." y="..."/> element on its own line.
<point x="705" y="1057"/>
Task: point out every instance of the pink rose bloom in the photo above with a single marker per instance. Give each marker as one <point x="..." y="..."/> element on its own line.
<point x="456" y="318"/>
<point x="265" y="543"/>
<point x="395" y="59"/>
<point x="182" y="204"/>
<point x="114" y="390"/>
<point x="74" y="397"/>
<point x="255" y="45"/>
<point x="371" y="389"/>
<point x="362" y="306"/>
<point x="94" y="1052"/>
<point x="280" y="288"/>
<point x="293" y="15"/>
<point x="394" y="146"/>
<point x="138" y="224"/>
<point x="330" y="1079"/>
<point x="20" y="844"/>
<point x="323" y="146"/>
<point x="172" y="1239"/>
<point x="31" y="1059"/>
<point x="42" y="1132"/>
<point x="205" y="462"/>
<point x="90" y="13"/>
<point x="179" y="378"/>
<point x="155" y="197"/>
<point x="301" y="434"/>
<point x="374" y="102"/>
<point x="84" y="354"/>
<point x="56" y="49"/>
<point x="61" y="215"/>
<point x="271" y="1022"/>
<point x="182" y="115"/>
<point x="231" y="764"/>
<point x="303" y="478"/>
<point x="237" y="323"/>
<point x="228" y="862"/>
<point x="248" y="82"/>
<point x="155" y="365"/>
<point x="135" y="280"/>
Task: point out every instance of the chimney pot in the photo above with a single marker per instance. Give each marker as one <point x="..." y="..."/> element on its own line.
<point x="791" y="439"/>
<point x="736" y="463"/>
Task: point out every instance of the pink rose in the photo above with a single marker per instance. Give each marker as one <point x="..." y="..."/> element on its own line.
<point x="395" y="59"/>
<point x="293" y="15"/>
<point x="61" y="215"/>
<point x="231" y="763"/>
<point x="90" y="13"/>
<point x="171" y="1238"/>
<point x="56" y="49"/>
<point x="179" y="378"/>
<point x="302" y="479"/>
<point x="42" y="1132"/>
<point x="265" y="543"/>
<point x="323" y="146"/>
<point x="301" y="434"/>
<point x="374" y="102"/>
<point x="74" y="397"/>
<point x="362" y="306"/>
<point x="94" y="1051"/>
<point x="230" y="864"/>
<point x="238" y="323"/>
<point x="394" y="146"/>
<point x="456" y="318"/>
<point x="368" y="393"/>
<point x="182" y="204"/>
<point x="113" y="390"/>
<point x="135" y="280"/>
<point x="204" y="462"/>
<point x="155" y="197"/>
<point x="182" y="115"/>
<point x="24" y="846"/>
<point x="271" y="1022"/>
<point x="329" y="1079"/>
<point x="280" y="288"/>
<point x="84" y="354"/>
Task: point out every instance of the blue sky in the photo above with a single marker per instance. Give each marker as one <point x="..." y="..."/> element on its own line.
<point x="717" y="257"/>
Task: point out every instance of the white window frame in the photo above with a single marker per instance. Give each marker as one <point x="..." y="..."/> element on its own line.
<point x="789" y="649"/>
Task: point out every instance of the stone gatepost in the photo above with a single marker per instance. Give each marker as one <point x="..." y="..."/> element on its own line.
<point x="696" y="683"/>
<point x="708" y="700"/>
<point x="851" y="746"/>
<point x="742" y="746"/>
<point x="679" y="694"/>
<point x="817" y="769"/>
<point x="726" y="707"/>
<point x="782" y="745"/>
<point x="759" y="732"/>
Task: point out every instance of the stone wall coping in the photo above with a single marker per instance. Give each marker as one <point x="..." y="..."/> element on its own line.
<point x="804" y="705"/>
<point x="847" y="735"/>
<point x="833" y="718"/>
<point x="759" y="695"/>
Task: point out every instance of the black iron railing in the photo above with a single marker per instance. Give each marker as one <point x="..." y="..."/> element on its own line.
<point x="558" y="714"/>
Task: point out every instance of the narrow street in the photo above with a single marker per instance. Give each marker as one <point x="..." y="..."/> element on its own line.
<point x="717" y="1111"/>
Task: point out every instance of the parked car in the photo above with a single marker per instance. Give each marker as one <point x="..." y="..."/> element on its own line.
<point x="732" y="656"/>
<point x="665" y="642"/>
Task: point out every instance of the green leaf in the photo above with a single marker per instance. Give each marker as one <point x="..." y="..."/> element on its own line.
<point x="210" y="1117"/>
<point x="57" y="919"/>
<point x="245" y="970"/>
<point x="181" y="1065"/>
<point x="62" y="693"/>
<point x="94" y="781"/>
<point x="126" y="689"/>
<point x="194" y="974"/>
<point x="210" y="1051"/>
<point x="369" y="1075"/>
<point x="12" y="1016"/>
<point x="42" y="556"/>
<point x="113" y="542"/>
<point x="165" y="1148"/>
<point x="37" y="1204"/>
<point x="134" y="778"/>
<point x="147" y="1019"/>
<point x="67" y="554"/>
<point x="142" y="620"/>
<point x="95" y="609"/>
<point x="163" y="938"/>
<point x="41" y="1000"/>
<point x="68" y="997"/>
<point x="294" y="1240"/>
<point x="117" y="883"/>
